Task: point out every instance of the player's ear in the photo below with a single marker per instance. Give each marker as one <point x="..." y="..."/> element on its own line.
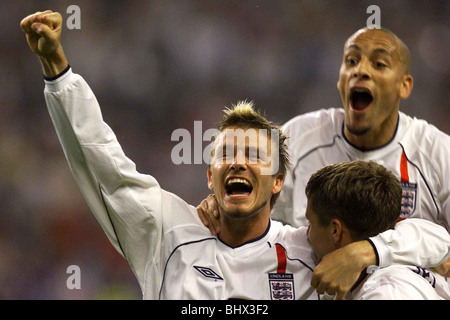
<point x="406" y="86"/>
<point x="277" y="183"/>
<point x="337" y="231"/>
<point x="210" y="183"/>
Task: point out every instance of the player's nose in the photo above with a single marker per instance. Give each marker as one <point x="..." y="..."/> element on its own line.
<point x="238" y="165"/>
<point x="361" y="71"/>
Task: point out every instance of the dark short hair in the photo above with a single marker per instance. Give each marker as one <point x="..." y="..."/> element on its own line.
<point x="365" y="196"/>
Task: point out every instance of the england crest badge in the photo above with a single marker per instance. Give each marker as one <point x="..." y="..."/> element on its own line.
<point x="281" y="286"/>
<point x="409" y="196"/>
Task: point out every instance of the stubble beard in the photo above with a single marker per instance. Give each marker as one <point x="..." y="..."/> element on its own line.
<point x="239" y="215"/>
<point x="357" y="131"/>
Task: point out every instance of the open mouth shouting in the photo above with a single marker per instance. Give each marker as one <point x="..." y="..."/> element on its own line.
<point x="238" y="188"/>
<point x="360" y="98"/>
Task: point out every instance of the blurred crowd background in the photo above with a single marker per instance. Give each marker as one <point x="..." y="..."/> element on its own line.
<point x="157" y="66"/>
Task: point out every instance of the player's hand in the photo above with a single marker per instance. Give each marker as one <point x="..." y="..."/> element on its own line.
<point x="43" y="32"/>
<point x="443" y="269"/>
<point x="339" y="270"/>
<point x="208" y="213"/>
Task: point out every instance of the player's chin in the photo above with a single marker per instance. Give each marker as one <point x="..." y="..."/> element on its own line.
<point x="358" y="128"/>
<point x="238" y="206"/>
<point x="235" y="206"/>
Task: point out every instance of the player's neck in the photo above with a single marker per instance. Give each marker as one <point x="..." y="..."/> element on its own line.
<point x="236" y="232"/>
<point x="376" y="137"/>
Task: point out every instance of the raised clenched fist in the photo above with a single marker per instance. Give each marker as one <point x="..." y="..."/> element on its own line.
<point x="43" y="32"/>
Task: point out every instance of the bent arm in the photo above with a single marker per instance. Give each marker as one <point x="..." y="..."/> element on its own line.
<point x="413" y="242"/>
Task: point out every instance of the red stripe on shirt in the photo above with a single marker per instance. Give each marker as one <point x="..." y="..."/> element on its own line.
<point x="404" y="177"/>
<point x="281" y="255"/>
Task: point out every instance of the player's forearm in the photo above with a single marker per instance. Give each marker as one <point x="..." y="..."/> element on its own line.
<point x="54" y="64"/>
<point x="340" y="269"/>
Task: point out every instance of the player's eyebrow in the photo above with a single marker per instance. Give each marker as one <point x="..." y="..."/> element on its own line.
<point x="382" y="51"/>
<point x="353" y="47"/>
<point x="377" y="50"/>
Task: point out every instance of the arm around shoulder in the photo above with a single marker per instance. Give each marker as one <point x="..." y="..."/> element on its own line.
<point x="413" y="242"/>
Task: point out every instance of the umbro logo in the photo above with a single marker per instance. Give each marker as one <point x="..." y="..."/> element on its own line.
<point x="208" y="273"/>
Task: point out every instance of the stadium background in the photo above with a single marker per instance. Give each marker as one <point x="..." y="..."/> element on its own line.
<point x="157" y="66"/>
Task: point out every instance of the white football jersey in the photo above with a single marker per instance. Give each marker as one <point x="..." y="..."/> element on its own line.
<point x="418" y="154"/>
<point x="276" y="266"/>
<point x="172" y="254"/>
<point x="401" y="283"/>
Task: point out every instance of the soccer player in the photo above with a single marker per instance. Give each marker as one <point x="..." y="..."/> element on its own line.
<point x="354" y="200"/>
<point x="373" y="79"/>
<point x="171" y="252"/>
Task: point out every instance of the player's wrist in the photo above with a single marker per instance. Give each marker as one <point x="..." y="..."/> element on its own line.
<point x="365" y="253"/>
<point x="58" y="76"/>
<point x="54" y="64"/>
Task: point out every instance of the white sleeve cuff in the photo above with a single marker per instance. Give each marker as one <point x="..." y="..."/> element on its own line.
<point x="60" y="83"/>
<point x="382" y="251"/>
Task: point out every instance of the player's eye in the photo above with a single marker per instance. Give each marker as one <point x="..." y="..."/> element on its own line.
<point x="252" y="155"/>
<point x="228" y="155"/>
<point x="351" y="61"/>
<point x="380" y="65"/>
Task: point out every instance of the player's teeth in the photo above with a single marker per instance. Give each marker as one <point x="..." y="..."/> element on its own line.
<point x="237" y="180"/>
